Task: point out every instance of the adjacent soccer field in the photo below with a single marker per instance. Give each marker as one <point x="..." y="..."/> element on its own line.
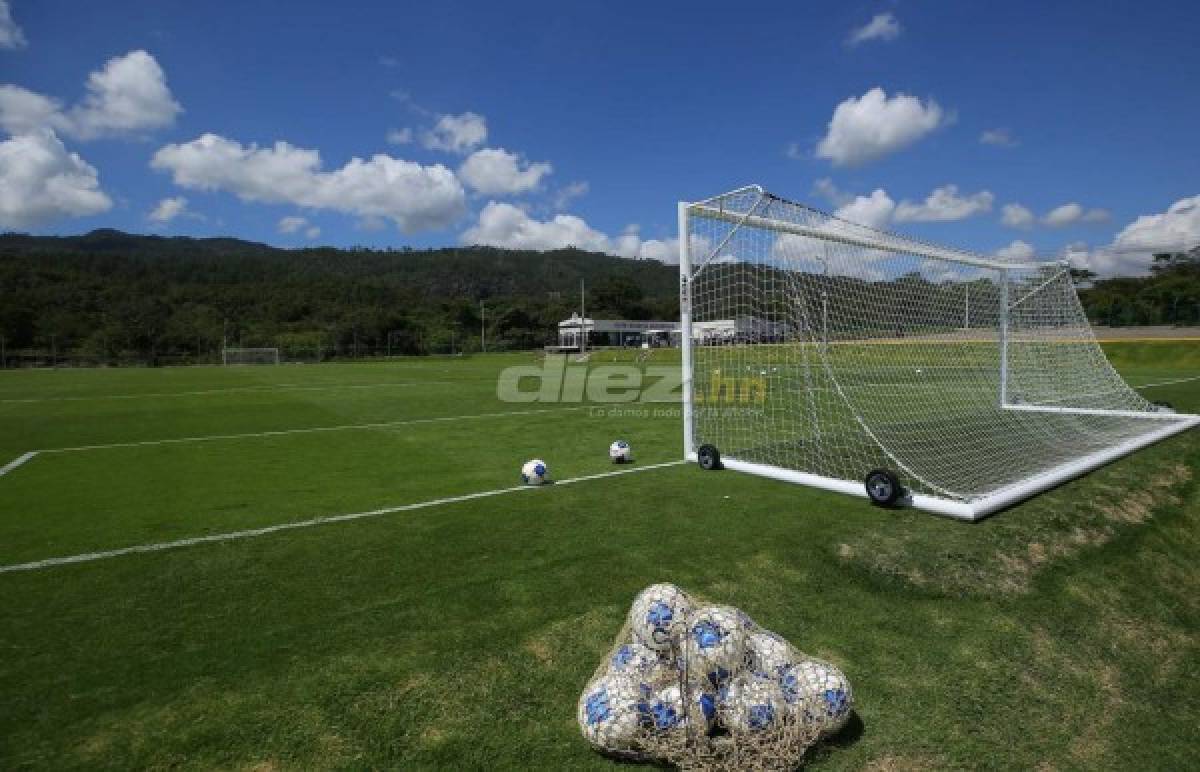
<point x="454" y="623"/>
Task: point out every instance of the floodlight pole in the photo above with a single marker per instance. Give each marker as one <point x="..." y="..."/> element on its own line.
<point x="482" y="328"/>
<point x="685" y="329"/>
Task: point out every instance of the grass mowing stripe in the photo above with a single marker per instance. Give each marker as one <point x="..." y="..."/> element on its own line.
<point x="307" y="430"/>
<point x="202" y="392"/>
<point x="16" y="462"/>
<point x="323" y="520"/>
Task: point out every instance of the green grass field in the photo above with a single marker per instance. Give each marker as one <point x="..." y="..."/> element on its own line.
<point x="1061" y="634"/>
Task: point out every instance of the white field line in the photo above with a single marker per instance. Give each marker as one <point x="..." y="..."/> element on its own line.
<point x="308" y="430"/>
<point x="227" y="390"/>
<point x="16" y="462"/>
<point x="1168" y="383"/>
<point x="324" y="520"/>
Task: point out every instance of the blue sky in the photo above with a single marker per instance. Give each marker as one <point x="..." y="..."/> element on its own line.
<point x="1058" y="125"/>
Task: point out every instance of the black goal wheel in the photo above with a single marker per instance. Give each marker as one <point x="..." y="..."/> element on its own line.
<point x="883" y="487"/>
<point x="708" y="458"/>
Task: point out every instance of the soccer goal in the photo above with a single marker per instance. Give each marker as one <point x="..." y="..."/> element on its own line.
<point x="825" y="353"/>
<point x="250" y="356"/>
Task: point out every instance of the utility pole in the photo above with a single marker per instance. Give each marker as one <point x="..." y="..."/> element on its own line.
<point x="582" y="319"/>
<point x="482" y="328"/>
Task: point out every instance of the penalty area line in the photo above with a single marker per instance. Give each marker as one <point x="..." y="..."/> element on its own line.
<point x="16" y="462"/>
<point x="88" y="557"/>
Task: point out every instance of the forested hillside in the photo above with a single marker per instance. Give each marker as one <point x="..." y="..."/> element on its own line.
<point x="109" y="296"/>
<point x="113" y="296"/>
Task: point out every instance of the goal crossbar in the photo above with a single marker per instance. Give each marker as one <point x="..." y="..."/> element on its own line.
<point x="977" y="401"/>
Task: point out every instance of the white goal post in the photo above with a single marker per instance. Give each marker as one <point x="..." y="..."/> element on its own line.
<point x="249" y="356"/>
<point x="816" y="350"/>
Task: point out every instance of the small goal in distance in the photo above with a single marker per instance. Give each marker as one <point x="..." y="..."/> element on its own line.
<point x="249" y="356"/>
<point x="816" y="350"/>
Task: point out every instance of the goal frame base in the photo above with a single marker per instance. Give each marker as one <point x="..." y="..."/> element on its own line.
<point x="979" y="508"/>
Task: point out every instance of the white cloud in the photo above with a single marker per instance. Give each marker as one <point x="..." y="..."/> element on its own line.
<point x="40" y="182"/>
<point x="1069" y="214"/>
<point x="129" y="95"/>
<point x="291" y="224"/>
<point x="495" y="171"/>
<point x="11" y="36"/>
<point x="456" y="133"/>
<point x="1177" y="229"/>
<point x="1017" y="250"/>
<point x="568" y="193"/>
<point x="882" y="27"/>
<point x="873" y="211"/>
<point x="413" y="196"/>
<point x="869" y="127"/>
<point x="999" y="137"/>
<point x="295" y="224"/>
<point x="1130" y="253"/>
<point x="945" y="204"/>
<point x="825" y="188"/>
<point x="23" y="111"/>
<point x="1016" y="216"/>
<point x="400" y="136"/>
<point x="168" y="209"/>
<point x="1064" y="215"/>
<point x="505" y="225"/>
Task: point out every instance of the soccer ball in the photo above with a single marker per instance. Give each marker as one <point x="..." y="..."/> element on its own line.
<point x="535" y="472"/>
<point x="818" y="693"/>
<point x="609" y="712"/>
<point x="702" y="711"/>
<point x="716" y="641"/>
<point x="634" y="660"/>
<point x="662" y="711"/>
<point x="751" y="704"/>
<point x="768" y="653"/>
<point x="620" y="452"/>
<point x="658" y="616"/>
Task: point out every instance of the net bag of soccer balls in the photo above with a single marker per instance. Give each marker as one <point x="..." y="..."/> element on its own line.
<point x="701" y="686"/>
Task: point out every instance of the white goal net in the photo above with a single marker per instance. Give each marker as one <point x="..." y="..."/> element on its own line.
<point x="817" y="350"/>
<point x="250" y="356"/>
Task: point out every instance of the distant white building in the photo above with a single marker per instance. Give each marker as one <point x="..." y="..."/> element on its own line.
<point x="615" y="332"/>
<point x="655" y="333"/>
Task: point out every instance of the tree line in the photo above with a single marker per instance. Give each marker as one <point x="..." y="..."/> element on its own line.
<point x="109" y="296"/>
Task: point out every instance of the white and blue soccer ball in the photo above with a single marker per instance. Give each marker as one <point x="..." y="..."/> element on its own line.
<point x="662" y="710"/>
<point x="769" y="653"/>
<point x="633" y="660"/>
<point x="620" y="452"/>
<point x="535" y="472"/>
<point x="817" y="693"/>
<point x="715" y="642"/>
<point x="610" y="712"/>
<point x="658" y="616"/>
<point x="752" y="703"/>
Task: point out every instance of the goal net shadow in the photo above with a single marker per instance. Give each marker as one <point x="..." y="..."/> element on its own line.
<point x="817" y="350"/>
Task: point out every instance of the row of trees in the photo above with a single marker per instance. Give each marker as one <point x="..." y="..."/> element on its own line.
<point x="110" y="296"/>
<point x="1169" y="295"/>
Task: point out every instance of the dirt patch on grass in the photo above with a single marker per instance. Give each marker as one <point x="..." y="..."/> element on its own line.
<point x="565" y="636"/>
<point x="893" y="763"/>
